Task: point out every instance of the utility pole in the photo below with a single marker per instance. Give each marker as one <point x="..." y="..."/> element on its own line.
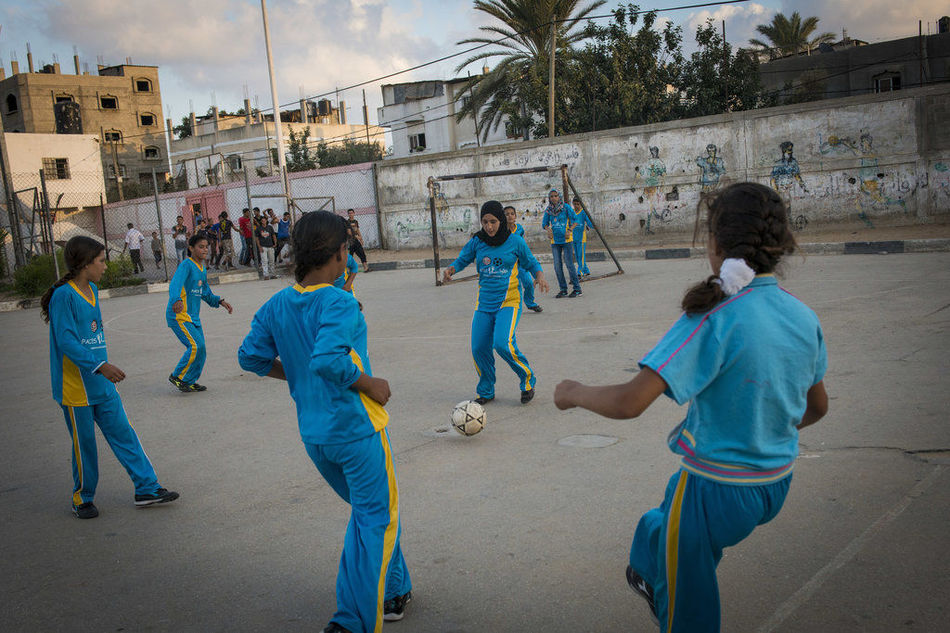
<point x="281" y="158"/>
<point x="725" y="70"/>
<point x="366" y="119"/>
<point x="115" y="168"/>
<point x="551" y="79"/>
<point x="471" y="95"/>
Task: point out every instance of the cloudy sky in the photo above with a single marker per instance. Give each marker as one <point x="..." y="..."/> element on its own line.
<point x="208" y="51"/>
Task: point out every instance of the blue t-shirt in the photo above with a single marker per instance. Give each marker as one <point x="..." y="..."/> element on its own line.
<point x="561" y="223"/>
<point x="497" y="268"/>
<point x="77" y="348"/>
<point x="319" y="334"/>
<point x="583" y="223"/>
<point x="190" y="286"/>
<point x="745" y="367"/>
<point x="351" y="269"/>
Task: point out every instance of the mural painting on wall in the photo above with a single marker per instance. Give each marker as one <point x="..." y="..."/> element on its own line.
<point x="870" y="179"/>
<point x="554" y="157"/>
<point x="653" y="175"/>
<point x="712" y="168"/>
<point x="941" y="183"/>
<point x="785" y="175"/>
<point x="414" y="229"/>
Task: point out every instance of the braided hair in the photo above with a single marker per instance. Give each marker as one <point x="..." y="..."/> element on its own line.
<point x="317" y="237"/>
<point x="79" y="252"/>
<point x="749" y="221"/>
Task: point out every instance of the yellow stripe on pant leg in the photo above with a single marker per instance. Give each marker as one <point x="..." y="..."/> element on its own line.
<point x="672" y="548"/>
<point x="511" y="347"/>
<point x="77" y="495"/>
<point x="389" y="538"/>
<point x="194" y="350"/>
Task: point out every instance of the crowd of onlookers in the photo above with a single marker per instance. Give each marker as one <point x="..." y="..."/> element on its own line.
<point x="260" y="236"/>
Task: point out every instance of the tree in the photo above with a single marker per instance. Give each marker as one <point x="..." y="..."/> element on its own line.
<point x="349" y="152"/>
<point x="716" y="81"/>
<point x="183" y="130"/>
<point x="516" y="86"/>
<point x="300" y="158"/>
<point x="621" y="77"/>
<point x="789" y="36"/>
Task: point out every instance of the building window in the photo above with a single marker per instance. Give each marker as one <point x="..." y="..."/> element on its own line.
<point x="56" y="168"/>
<point x="108" y="103"/>
<point x="143" y="85"/>
<point x="887" y="82"/>
<point x="111" y="171"/>
<point x="64" y="98"/>
<point x="151" y="153"/>
<point x="234" y="162"/>
<point x="147" y="119"/>
<point x="417" y="142"/>
<point x="112" y="136"/>
<point x="12" y="104"/>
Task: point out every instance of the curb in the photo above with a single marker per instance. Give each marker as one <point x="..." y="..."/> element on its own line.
<point x="885" y="247"/>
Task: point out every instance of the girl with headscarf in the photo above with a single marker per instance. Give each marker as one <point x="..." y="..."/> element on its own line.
<point x="559" y="219"/>
<point x="498" y="257"/>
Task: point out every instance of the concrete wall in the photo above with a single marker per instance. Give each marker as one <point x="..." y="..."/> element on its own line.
<point x="877" y="158"/>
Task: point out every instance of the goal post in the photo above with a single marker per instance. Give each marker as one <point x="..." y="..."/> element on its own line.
<point x="567" y="185"/>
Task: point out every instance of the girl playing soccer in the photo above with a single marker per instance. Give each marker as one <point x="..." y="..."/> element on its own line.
<point x="313" y="335"/>
<point x="559" y="220"/>
<point x="83" y="381"/>
<point x="750" y="359"/>
<point x="187" y="289"/>
<point x="524" y="277"/>
<point x="498" y="257"/>
<point x="580" y="239"/>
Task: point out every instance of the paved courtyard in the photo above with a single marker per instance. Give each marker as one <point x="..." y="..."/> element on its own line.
<point x="520" y="528"/>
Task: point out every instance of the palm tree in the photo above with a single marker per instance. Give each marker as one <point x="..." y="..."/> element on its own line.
<point x="521" y="74"/>
<point x="788" y="36"/>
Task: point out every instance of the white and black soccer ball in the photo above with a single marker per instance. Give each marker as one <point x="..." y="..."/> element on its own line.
<point x="468" y="417"/>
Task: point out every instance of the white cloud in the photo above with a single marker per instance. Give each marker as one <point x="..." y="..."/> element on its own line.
<point x="741" y="20"/>
<point x="870" y="20"/>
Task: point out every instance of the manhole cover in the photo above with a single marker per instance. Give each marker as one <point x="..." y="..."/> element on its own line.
<point x="587" y="441"/>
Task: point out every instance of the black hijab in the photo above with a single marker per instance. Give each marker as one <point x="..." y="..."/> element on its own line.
<point x="493" y="207"/>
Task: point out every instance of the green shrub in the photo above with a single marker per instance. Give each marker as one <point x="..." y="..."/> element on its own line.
<point x="119" y="271"/>
<point x="33" y="278"/>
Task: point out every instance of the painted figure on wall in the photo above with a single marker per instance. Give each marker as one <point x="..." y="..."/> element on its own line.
<point x="870" y="181"/>
<point x="712" y="166"/>
<point x="655" y="173"/>
<point x="786" y="172"/>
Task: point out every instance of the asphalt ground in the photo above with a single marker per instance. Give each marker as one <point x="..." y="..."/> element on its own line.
<point x="524" y="527"/>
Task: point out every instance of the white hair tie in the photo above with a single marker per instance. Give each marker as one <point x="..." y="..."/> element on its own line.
<point x="734" y="275"/>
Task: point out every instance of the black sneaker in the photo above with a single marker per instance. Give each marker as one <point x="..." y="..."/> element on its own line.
<point x="333" y="627"/>
<point x="159" y="496"/>
<point x="191" y="388"/>
<point x="526" y="396"/>
<point x="561" y="294"/>
<point x="86" y="510"/>
<point x="535" y="308"/>
<point x="174" y="380"/>
<point x="395" y="609"/>
<point x="638" y="584"/>
<point x="483" y="399"/>
<point x="575" y="293"/>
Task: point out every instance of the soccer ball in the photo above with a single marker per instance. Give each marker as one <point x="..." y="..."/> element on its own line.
<point x="468" y="417"/>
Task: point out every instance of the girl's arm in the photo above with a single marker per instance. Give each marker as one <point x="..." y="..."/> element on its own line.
<point x="817" y="405"/>
<point x="620" y="402"/>
<point x="466" y="257"/>
<point x="175" y="286"/>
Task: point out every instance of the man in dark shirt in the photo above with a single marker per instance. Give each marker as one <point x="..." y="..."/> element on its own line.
<point x="226" y="248"/>
<point x="267" y="240"/>
<point x="356" y="238"/>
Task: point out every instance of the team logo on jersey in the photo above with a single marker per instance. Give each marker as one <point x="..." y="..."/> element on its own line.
<point x="94" y="326"/>
<point x="486" y="260"/>
<point x="199" y="283"/>
<point x="497" y="261"/>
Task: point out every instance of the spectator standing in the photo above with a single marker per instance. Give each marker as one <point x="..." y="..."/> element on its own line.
<point x="211" y="230"/>
<point x="283" y="235"/>
<point x="156" y="249"/>
<point x="356" y="238"/>
<point x="267" y="240"/>
<point x="180" y="234"/>
<point x="226" y="247"/>
<point x="133" y="241"/>
<point x="244" y="223"/>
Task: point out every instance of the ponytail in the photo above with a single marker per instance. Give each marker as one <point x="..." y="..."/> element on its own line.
<point x="703" y="297"/>
<point x="48" y="295"/>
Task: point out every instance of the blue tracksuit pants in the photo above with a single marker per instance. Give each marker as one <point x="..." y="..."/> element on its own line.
<point x="678" y="546"/>
<point x="527" y="288"/>
<point x="192" y="361"/>
<point x="580" y="257"/>
<point x="114" y="424"/>
<point x="494" y="332"/>
<point x="372" y="568"/>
